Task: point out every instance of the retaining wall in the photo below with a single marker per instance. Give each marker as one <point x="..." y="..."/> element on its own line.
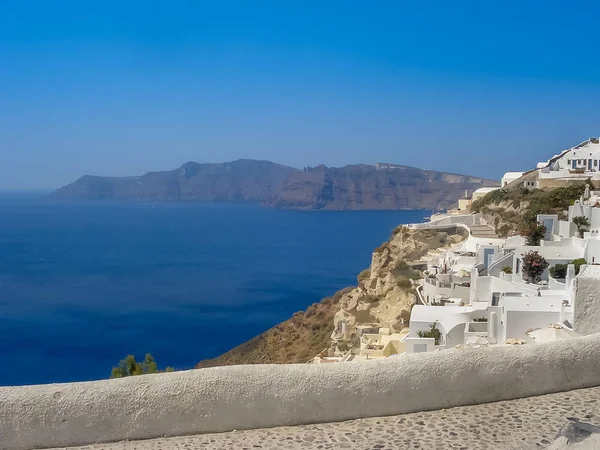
<point x="242" y="397"/>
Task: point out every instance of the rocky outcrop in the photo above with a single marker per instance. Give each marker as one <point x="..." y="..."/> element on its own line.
<point x="330" y="188"/>
<point x="386" y="291"/>
<point x="383" y="298"/>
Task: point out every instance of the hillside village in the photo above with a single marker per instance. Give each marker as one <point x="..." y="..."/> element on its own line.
<point x="513" y="265"/>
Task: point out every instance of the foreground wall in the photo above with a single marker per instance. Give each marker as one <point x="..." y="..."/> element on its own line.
<point x="586" y="309"/>
<point x="238" y="397"/>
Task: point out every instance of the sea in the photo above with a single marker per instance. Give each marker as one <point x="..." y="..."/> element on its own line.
<point x="83" y="284"/>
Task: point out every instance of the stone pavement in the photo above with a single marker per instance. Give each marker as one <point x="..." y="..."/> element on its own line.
<point x="530" y="423"/>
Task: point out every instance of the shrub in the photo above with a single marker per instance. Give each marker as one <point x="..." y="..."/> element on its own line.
<point x="480" y="319"/>
<point x="507" y="269"/>
<point x="404" y="283"/>
<point x="402" y="269"/>
<point x="433" y="332"/>
<point x="310" y="311"/>
<point x="343" y="346"/>
<point x="534" y="233"/>
<point x="404" y="317"/>
<point x="582" y="224"/>
<point x="578" y="263"/>
<point x="504" y="230"/>
<point x="558" y="271"/>
<point x="130" y="367"/>
<point x="534" y="265"/>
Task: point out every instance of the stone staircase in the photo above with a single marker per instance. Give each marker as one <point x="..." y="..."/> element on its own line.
<point x="483" y="231"/>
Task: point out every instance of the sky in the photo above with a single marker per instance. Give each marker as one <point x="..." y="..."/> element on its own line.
<point x="120" y="88"/>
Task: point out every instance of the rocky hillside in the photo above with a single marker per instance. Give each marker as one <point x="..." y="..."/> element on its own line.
<point x="515" y="210"/>
<point x="350" y="187"/>
<point x="386" y="290"/>
<point x="384" y="297"/>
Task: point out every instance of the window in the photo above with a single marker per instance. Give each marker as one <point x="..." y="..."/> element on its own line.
<point x="595" y="163"/>
<point x="568" y="161"/>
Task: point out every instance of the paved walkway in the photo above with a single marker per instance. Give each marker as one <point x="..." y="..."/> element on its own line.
<point x="530" y="423"/>
<point x="483" y="231"/>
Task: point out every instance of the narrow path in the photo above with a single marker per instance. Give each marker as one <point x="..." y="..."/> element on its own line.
<point x="530" y="423"/>
<point x="483" y="231"/>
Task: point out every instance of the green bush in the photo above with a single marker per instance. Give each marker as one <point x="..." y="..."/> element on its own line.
<point x="558" y="271"/>
<point x="507" y="269"/>
<point x="404" y="283"/>
<point x="130" y="367"/>
<point x="539" y="201"/>
<point x="578" y="263"/>
<point x="504" y="230"/>
<point x="582" y="223"/>
<point x="402" y="269"/>
<point x="343" y="346"/>
<point x="433" y="332"/>
<point x="534" y="233"/>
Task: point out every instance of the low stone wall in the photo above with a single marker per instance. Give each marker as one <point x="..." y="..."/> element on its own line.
<point x="241" y="397"/>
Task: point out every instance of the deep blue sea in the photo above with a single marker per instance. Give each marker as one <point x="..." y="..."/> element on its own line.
<point x="84" y="284"/>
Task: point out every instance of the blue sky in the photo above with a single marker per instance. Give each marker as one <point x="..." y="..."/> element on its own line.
<point x="125" y="87"/>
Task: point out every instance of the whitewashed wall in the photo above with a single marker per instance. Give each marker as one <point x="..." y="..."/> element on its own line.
<point x="242" y="397"/>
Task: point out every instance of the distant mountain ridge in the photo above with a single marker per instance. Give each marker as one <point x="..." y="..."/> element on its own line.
<point x="330" y="188"/>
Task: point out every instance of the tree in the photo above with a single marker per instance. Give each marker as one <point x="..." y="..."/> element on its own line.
<point x="534" y="265"/>
<point x="578" y="263"/>
<point x="534" y="233"/>
<point x="582" y="223"/>
<point x="130" y="367"/>
<point x="433" y="332"/>
<point x="558" y="271"/>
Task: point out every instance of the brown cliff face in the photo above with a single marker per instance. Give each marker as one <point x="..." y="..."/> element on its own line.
<point x="351" y="187"/>
<point x="366" y="187"/>
<point x="384" y="297"/>
<point x="296" y="340"/>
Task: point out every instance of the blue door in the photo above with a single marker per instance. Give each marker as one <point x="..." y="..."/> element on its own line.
<point x="589" y="164"/>
<point x="574" y="163"/>
<point x="488" y="254"/>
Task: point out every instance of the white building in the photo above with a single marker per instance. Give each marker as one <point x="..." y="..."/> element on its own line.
<point x="500" y="305"/>
<point x="575" y="164"/>
<point x="509" y="177"/>
<point x="482" y="192"/>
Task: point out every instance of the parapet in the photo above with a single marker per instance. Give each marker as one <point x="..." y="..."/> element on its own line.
<point x="244" y="397"/>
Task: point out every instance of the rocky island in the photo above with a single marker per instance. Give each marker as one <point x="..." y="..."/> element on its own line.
<point x="355" y="187"/>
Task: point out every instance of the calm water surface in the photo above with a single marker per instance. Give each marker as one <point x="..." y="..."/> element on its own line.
<point x="84" y="284"/>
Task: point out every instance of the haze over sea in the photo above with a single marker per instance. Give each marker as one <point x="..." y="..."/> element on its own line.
<point x="84" y="284"/>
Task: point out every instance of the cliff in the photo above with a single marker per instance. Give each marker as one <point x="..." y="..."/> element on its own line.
<point x="351" y="187"/>
<point x="366" y="187"/>
<point x="383" y="297"/>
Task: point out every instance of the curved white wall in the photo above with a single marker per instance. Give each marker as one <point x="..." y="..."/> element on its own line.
<point x="238" y="397"/>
